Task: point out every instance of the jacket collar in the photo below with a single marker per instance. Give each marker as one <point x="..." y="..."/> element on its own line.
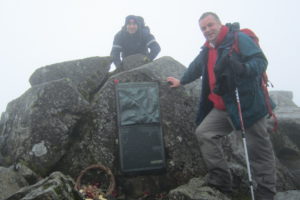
<point x="225" y="38"/>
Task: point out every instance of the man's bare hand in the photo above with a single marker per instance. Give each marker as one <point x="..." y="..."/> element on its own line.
<point x="174" y="82"/>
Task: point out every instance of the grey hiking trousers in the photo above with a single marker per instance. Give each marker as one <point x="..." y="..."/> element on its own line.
<point x="262" y="160"/>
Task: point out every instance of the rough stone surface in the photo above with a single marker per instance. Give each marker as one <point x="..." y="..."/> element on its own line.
<point x="194" y="190"/>
<point x="10" y="182"/>
<point x="286" y="139"/>
<point x="288" y="195"/>
<point x="131" y="62"/>
<point x="97" y="142"/>
<point x="87" y="74"/>
<point x="56" y="186"/>
<point x="67" y="121"/>
<point x="30" y="176"/>
<point x="37" y="128"/>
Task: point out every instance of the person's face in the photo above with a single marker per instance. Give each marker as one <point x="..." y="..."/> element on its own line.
<point x="132" y="26"/>
<point x="210" y="28"/>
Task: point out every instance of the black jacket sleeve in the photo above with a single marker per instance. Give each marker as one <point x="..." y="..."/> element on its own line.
<point x="116" y="50"/>
<point x="193" y="72"/>
<point x="154" y="50"/>
<point x="152" y="44"/>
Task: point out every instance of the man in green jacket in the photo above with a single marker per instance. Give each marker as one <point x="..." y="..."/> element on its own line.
<point x="218" y="111"/>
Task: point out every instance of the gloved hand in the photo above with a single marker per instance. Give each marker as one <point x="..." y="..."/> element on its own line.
<point x="222" y="65"/>
<point x="146" y="59"/>
<point x="224" y="77"/>
<point x="238" y="67"/>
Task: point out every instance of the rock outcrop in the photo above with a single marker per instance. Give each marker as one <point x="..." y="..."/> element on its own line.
<point x="55" y="186"/>
<point x="286" y="139"/>
<point x="67" y="121"/>
<point x="10" y="182"/>
<point x="86" y="74"/>
<point x="37" y="128"/>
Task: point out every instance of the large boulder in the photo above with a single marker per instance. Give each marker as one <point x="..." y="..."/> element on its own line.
<point x="67" y="121"/>
<point x="10" y="182"/>
<point x="194" y="190"/>
<point x="286" y="139"/>
<point x="97" y="141"/>
<point x="87" y="74"/>
<point x="38" y="127"/>
<point x="56" y="186"/>
<point x="288" y="195"/>
<point x="52" y="126"/>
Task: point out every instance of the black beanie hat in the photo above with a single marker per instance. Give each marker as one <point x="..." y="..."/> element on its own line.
<point x="129" y="17"/>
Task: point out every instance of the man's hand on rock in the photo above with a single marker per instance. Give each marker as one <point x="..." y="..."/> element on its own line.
<point x="174" y="82"/>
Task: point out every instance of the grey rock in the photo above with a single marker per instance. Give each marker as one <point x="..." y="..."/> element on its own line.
<point x="131" y="62"/>
<point x="30" y="176"/>
<point x="56" y="186"/>
<point x="37" y="128"/>
<point x="67" y="121"/>
<point x="282" y="98"/>
<point x="10" y="182"/>
<point x="97" y="143"/>
<point x="286" y="139"/>
<point x="194" y="190"/>
<point x="87" y="74"/>
<point x="288" y="195"/>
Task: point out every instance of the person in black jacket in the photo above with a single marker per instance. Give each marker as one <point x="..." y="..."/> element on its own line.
<point x="134" y="38"/>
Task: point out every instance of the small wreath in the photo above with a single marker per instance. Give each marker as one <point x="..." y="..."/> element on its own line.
<point x="95" y="182"/>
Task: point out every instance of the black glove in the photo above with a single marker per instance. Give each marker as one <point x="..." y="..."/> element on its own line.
<point x="225" y="61"/>
<point x="224" y="77"/>
<point x="238" y="67"/>
<point x="222" y="65"/>
<point x="146" y="59"/>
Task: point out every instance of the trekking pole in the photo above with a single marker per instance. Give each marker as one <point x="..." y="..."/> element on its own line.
<point x="244" y="143"/>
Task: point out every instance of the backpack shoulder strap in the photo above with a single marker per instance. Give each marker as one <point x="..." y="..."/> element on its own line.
<point x="268" y="101"/>
<point x="235" y="44"/>
<point x="251" y="34"/>
<point x="265" y="81"/>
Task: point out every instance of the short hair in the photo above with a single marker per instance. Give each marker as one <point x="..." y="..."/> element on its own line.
<point x="212" y="14"/>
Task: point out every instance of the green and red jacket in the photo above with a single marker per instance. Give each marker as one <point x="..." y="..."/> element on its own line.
<point x="251" y="94"/>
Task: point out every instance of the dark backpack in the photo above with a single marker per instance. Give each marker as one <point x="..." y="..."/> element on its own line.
<point x="141" y="21"/>
<point x="265" y="81"/>
<point x="142" y="24"/>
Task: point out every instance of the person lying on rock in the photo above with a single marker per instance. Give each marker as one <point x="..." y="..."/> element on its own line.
<point x="134" y="38"/>
<point x="219" y="113"/>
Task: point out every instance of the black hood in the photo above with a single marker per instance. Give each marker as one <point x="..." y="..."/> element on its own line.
<point x="130" y="17"/>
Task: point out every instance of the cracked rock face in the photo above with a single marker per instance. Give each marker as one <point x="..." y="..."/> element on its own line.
<point x="36" y="128"/>
<point x="98" y="133"/>
<point x="67" y="121"/>
<point x="86" y="74"/>
<point x="55" y="186"/>
<point x="10" y="182"/>
<point x="53" y="126"/>
<point x="286" y="140"/>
